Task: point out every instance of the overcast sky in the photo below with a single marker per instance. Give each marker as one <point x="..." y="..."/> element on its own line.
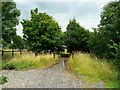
<point x="86" y="12"/>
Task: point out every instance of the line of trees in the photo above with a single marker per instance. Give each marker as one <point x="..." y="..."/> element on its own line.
<point x="43" y="33"/>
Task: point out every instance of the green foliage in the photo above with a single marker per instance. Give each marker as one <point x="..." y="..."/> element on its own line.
<point x="9" y="66"/>
<point x="18" y="65"/>
<point x="41" y="32"/>
<point x="18" y="42"/>
<point x="10" y="16"/>
<point x="3" y="79"/>
<point x="105" y="41"/>
<point x="76" y="37"/>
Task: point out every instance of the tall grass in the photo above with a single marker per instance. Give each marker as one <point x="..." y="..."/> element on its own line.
<point x="30" y="61"/>
<point x="93" y="69"/>
<point x="8" y="55"/>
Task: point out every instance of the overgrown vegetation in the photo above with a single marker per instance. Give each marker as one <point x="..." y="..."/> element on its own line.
<point x="3" y="79"/>
<point x="93" y="69"/>
<point x="30" y="61"/>
<point x="42" y="33"/>
<point x="105" y="41"/>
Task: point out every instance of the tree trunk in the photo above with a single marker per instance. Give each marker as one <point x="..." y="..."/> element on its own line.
<point x="36" y="53"/>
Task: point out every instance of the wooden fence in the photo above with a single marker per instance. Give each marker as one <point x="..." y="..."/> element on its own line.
<point x="22" y="51"/>
<point x="12" y="52"/>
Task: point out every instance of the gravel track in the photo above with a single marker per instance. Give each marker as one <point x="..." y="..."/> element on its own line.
<point x="55" y="77"/>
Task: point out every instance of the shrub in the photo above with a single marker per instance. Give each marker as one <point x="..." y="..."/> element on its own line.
<point x="3" y="79"/>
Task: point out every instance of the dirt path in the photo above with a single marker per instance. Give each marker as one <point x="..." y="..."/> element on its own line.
<point x="55" y="77"/>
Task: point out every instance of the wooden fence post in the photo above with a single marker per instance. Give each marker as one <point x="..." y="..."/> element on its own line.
<point x="36" y="54"/>
<point x="20" y="52"/>
<point x="2" y="53"/>
<point x="72" y="54"/>
<point x="54" y="54"/>
<point x="12" y="52"/>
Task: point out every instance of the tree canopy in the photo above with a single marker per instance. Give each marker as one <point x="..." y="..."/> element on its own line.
<point x="41" y="32"/>
<point x="76" y="37"/>
<point x="18" y="42"/>
<point x="105" y="41"/>
<point x="10" y="19"/>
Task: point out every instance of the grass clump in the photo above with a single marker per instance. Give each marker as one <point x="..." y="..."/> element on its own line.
<point x="93" y="69"/>
<point x="3" y="79"/>
<point x="30" y="61"/>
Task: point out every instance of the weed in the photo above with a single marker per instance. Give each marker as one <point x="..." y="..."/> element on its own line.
<point x="3" y="79"/>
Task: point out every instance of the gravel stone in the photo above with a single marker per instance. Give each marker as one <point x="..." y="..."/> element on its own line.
<point x="54" y="77"/>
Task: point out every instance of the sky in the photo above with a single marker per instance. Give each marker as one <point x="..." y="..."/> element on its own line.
<point x="86" y="12"/>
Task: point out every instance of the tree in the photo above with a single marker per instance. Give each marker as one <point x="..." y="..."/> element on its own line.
<point x="10" y="16"/>
<point x="110" y="22"/>
<point x="76" y="37"/>
<point x="41" y="32"/>
<point x="18" y="42"/>
<point x="0" y="25"/>
<point x="107" y="37"/>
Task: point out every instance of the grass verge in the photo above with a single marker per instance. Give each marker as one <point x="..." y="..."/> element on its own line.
<point x="30" y="61"/>
<point x="93" y="69"/>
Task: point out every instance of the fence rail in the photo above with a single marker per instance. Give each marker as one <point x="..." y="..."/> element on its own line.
<point x="12" y="52"/>
<point x="20" y="52"/>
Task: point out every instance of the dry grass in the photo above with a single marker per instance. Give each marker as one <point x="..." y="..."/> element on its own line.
<point x="29" y="61"/>
<point x="92" y="69"/>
